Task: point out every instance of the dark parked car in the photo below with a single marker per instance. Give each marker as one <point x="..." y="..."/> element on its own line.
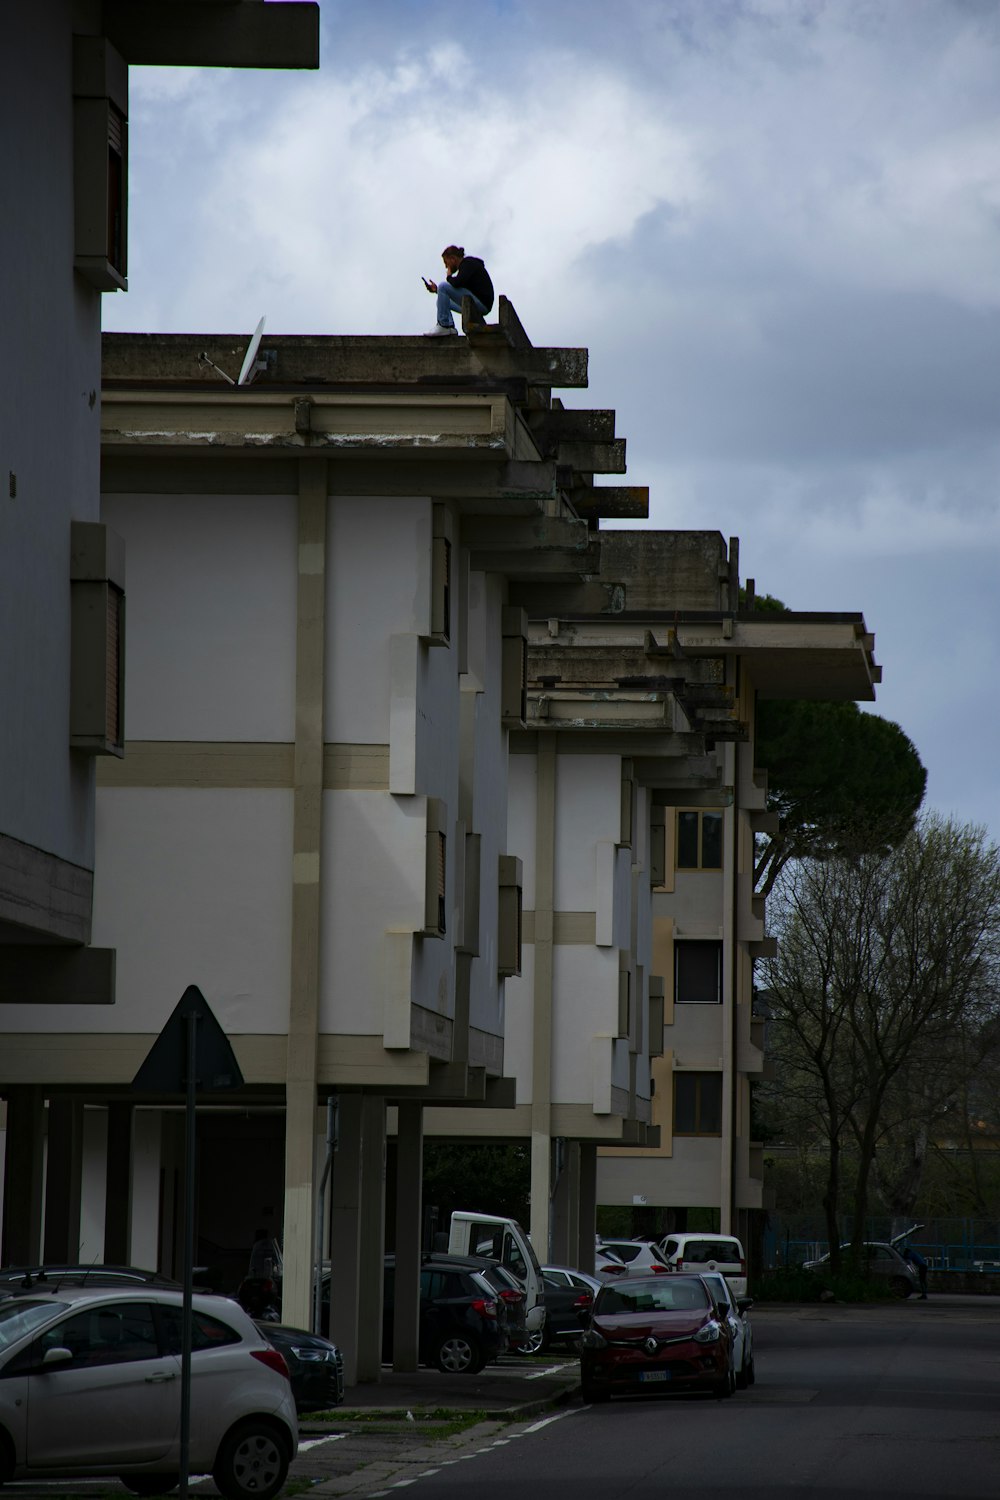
<point x="569" y="1297"/>
<point x="507" y="1289"/>
<point x="315" y="1366"/>
<point x="460" y="1327"/>
<point x="656" y="1333"/>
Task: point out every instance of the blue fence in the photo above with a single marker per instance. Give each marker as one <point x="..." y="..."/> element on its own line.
<point x="946" y="1244"/>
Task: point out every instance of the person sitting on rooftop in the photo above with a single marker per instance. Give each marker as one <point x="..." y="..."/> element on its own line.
<point x="467" y="277"/>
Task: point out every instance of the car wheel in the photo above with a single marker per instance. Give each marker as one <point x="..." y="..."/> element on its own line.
<point x="252" y="1462"/>
<point x="724" y="1387"/>
<point x="533" y="1343"/>
<point x="150" y="1484"/>
<point x="459" y="1355"/>
<point x="900" y="1286"/>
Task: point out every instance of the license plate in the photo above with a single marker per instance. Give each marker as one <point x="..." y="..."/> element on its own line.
<point x="647" y="1377"/>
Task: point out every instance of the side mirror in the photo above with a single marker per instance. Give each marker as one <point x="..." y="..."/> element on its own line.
<point x="744" y="1304"/>
<point x="57" y="1356"/>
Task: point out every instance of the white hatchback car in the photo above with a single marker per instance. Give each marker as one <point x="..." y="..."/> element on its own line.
<point x="639" y="1257"/>
<point x="697" y="1253"/>
<point x="90" y="1381"/>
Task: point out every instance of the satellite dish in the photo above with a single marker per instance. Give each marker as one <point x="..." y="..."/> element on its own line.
<point x="250" y="366"/>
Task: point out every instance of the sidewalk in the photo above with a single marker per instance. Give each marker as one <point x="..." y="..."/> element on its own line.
<point x="507" y="1389"/>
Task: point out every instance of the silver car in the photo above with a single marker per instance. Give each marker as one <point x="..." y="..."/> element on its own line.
<point x="882" y="1260"/>
<point x="90" y="1385"/>
<point x="736" y="1311"/>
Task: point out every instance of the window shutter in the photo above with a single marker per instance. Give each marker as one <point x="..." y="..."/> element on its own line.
<point x="436" y="887"/>
<point x="100" y="163"/>
<point x="509" y="922"/>
<point x="656" y="1008"/>
<point x="97" y="645"/>
<point x="514" y="669"/>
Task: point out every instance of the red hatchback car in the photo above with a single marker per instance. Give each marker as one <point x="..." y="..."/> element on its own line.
<point x="655" y="1333"/>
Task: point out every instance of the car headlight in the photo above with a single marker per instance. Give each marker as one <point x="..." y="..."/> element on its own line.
<point x="710" y="1334"/>
<point x="593" y="1340"/>
<point x="311" y="1356"/>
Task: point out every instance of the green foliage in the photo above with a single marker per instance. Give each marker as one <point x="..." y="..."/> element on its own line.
<point x="483" y="1179"/>
<point x="841" y="781"/>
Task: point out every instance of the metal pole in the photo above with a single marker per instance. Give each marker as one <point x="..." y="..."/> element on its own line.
<point x="186" y="1312"/>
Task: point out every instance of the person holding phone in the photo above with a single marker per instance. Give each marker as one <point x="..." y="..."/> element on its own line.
<point x="466" y="277"/>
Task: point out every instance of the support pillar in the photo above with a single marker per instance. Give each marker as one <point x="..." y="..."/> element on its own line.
<point x="307" y="818"/>
<point x="587" y="1208"/>
<point x="371" y="1270"/>
<point x="63" y="1173"/>
<point x="566" y="1207"/>
<point x="409" y="1225"/>
<point x="345" y="1236"/>
<point x="23" y="1176"/>
<point x="541" y="1027"/>
<point x="118" y="1203"/>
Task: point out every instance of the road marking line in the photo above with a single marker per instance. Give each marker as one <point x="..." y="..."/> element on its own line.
<point x="537" y="1426"/>
<point x="537" y="1374"/>
<point x="331" y="1437"/>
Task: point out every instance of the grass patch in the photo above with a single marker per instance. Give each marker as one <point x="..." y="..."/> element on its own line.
<point x="437" y="1422"/>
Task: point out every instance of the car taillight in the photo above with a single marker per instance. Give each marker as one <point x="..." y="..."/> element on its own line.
<point x="511" y="1296"/>
<point x="273" y="1360"/>
<point x="584" y="1301"/>
<point x="483" y="1308"/>
<point x="658" y="1270"/>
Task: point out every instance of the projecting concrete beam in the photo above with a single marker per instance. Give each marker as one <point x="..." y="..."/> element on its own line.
<point x="612" y="502"/>
<point x="240" y="34"/>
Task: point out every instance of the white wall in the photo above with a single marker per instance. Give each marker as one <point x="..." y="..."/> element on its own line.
<point x="50" y="384"/>
<point x="210" y="651"/>
<point x="192" y="887"/>
<point x="378" y="563"/>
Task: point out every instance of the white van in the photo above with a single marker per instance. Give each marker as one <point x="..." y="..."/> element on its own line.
<point x="504" y="1241"/>
<point x="707" y="1252"/>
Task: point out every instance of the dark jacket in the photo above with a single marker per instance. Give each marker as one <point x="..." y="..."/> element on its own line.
<point x="472" y="276"/>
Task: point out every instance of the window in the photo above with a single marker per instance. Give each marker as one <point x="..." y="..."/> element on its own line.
<point x="206" y="1332"/>
<point x="698" y="973"/>
<point x="114" y="1334"/>
<point x="697" y="1104"/>
<point x="435" y="901"/>
<point x="699" y="840"/>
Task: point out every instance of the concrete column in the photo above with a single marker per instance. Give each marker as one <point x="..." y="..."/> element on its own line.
<point x="371" y="1269"/>
<point x="566" y="1208"/>
<point x="730" y="919"/>
<point x="409" y="1224"/>
<point x="541" y="1064"/>
<point x="303" y="1005"/>
<point x="345" y="1235"/>
<point x="24" y="1175"/>
<point x="587" y="1220"/>
<point x="63" y="1174"/>
<point x="118" y="1203"/>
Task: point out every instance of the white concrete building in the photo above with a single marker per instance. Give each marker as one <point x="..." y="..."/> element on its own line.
<point x="64" y="185"/>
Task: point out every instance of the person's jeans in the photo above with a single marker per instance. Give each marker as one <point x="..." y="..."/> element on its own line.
<point x="449" y="301"/>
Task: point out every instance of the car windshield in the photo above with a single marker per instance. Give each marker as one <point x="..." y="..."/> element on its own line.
<point x="21" y="1317"/>
<point x="662" y="1295"/>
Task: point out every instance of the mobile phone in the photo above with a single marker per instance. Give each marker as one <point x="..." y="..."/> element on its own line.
<point x="426" y="282"/>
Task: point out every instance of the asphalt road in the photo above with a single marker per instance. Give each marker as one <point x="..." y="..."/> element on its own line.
<point x="850" y="1403"/>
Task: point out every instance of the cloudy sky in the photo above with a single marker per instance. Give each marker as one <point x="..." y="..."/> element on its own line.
<point x="774" y="223"/>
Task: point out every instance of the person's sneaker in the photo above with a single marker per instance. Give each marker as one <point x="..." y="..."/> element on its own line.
<point x="439" y="331"/>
